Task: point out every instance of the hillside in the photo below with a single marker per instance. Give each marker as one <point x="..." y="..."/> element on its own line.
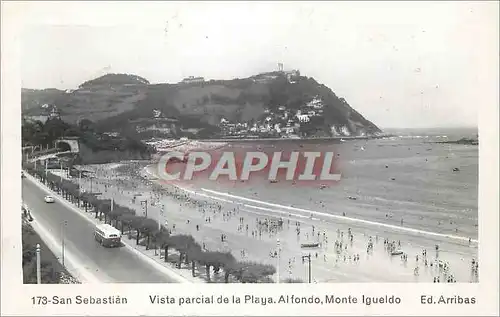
<point x="115" y="80"/>
<point x="114" y="99"/>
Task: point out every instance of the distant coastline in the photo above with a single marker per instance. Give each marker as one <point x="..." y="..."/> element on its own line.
<point x="298" y="139"/>
<point x="465" y="141"/>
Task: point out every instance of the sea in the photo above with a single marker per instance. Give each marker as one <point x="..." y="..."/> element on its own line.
<point x="410" y="179"/>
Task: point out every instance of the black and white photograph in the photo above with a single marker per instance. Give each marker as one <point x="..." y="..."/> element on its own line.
<point x="250" y="143"/>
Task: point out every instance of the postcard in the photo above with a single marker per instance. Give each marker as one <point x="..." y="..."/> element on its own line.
<point x="249" y="158"/>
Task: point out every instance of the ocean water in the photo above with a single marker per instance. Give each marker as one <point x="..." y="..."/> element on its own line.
<point x="406" y="180"/>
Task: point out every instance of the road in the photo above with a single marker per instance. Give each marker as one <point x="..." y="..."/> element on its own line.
<point x="114" y="265"/>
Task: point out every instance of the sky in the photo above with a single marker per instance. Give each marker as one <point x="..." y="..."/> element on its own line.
<point x="400" y="64"/>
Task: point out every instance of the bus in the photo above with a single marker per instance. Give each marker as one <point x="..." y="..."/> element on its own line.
<point x="107" y="235"/>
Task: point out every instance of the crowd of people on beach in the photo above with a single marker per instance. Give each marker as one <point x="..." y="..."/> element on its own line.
<point x="124" y="178"/>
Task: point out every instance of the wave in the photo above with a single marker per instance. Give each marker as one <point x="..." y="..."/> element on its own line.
<point x="216" y="195"/>
<point x="322" y="214"/>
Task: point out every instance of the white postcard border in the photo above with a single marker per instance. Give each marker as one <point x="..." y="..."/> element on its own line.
<point x="16" y="297"/>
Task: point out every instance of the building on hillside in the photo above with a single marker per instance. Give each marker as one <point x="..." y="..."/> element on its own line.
<point x="316" y="103"/>
<point x="264" y="78"/>
<point x="191" y="130"/>
<point x="192" y="79"/>
<point x="42" y="118"/>
<point x="302" y="117"/>
<point x="157" y="113"/>
<point x="54" y="114"/>
<point x="112" y="134"/>
<point x="345" y="130"/>
<point x="163" y="125"/>
<point x="291" y="75"/>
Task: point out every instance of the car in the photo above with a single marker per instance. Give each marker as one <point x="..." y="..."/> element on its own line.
<point x="49" y="199"/>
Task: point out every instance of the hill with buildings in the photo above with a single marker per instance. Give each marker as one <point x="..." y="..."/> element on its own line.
<point x="278" y="103"/>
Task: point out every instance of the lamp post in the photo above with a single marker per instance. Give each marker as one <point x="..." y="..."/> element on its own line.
<point x="278" y="264"/>
<point x="160" y="214"/>
<point x="145" y="207"/>
<point x="63" y="225"/>
<point x="162" y="211"/>
<point x="38" y="265"/>
<point x="309" y="258"/>
<point x="79" y="182"/>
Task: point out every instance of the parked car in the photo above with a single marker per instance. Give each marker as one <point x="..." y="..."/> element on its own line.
<point x="49" y="199"/>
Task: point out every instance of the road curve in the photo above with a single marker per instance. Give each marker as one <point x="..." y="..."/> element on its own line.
<point x="113" y="265"/>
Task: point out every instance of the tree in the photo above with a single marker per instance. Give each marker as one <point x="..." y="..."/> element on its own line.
<point x="104" y="207"/>
<point x="293" y="280"/>
<point x="115" y="214"/>
<point x="126" y="219"/>
<point x="252" y="272"/>
<point x="148" y="227"/>
<point x="181" y="243"/>
<point x="217" y="260"/>
<point x="229" y="266"/>
<point x="89" y="199"/>
<point x="160" y="238"/>
<point x="55" y="129"/>
<point x="194" y="253"/>
<point x="207" y="259"/>
<point x="86" y="125"/>
<point x="136" y="224"/>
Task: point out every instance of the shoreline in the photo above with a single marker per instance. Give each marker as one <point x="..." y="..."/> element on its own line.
<point x="228" y="195"/>
<point x="188" y="208"/>
<point x="411" y="241"/>
<point x="333" y="138"/>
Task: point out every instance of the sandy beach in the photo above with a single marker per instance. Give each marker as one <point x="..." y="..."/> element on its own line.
<point x="348" y="251"/>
